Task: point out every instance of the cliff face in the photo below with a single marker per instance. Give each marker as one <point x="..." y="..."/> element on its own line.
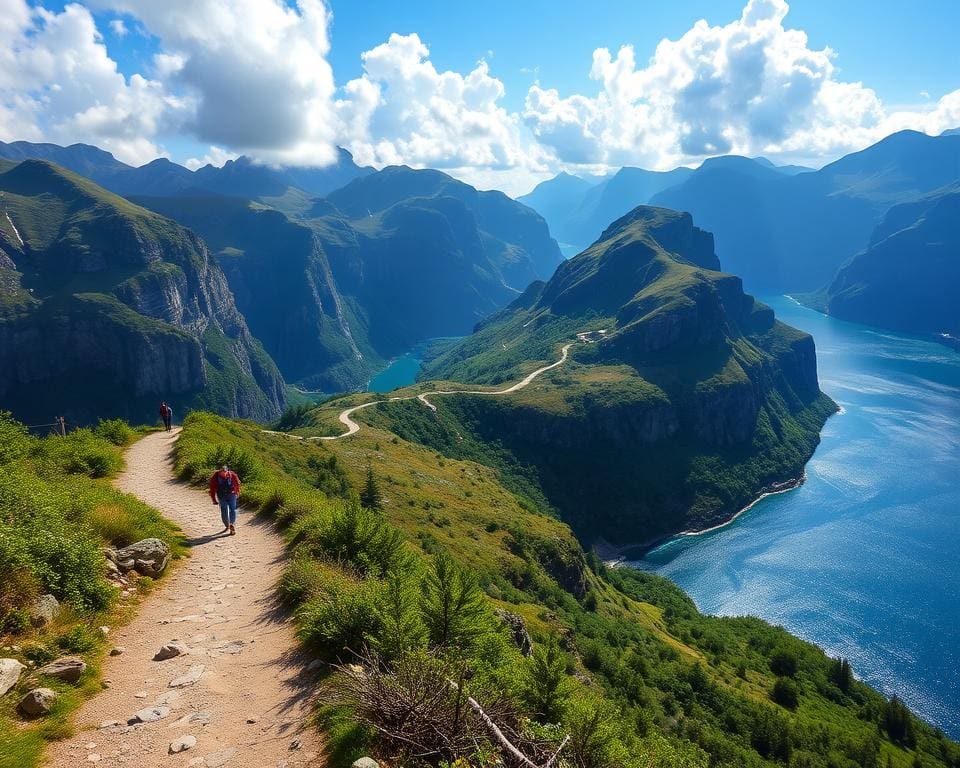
<point x="683" y="399"/>
<point x="122" y="308"/>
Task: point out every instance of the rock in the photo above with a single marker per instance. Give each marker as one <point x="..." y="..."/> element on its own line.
<point x="189" y="677"/>
<point x="314" y="665"/>
<point x="150" y="556"/>
<point x="109" y="724"/>
<point x="149" y="715"/>
<point x="126" y="565"/>
<point x="37" y="702"/>
<point x="118" y="651"/>
<point x="110" y="553"/>
<point x="170" y="651"/>
<point x="113" y="569"/>
<point x="93" y="757"/>
<point x="365" y="762"/>
<point x="44" y="610"/>
<point x="69" y="669"/>
<point x="104" y="631"/>
<point x="201" y="718"/>
<point x="140" y="695"/>
<point x="518" y="630"/>
<point x="251" y="720"/>
<point x="10" y="670"/>
<point x="182" y="744"/>
<point x="217" y="759"/>
<point x="295" y="744"/>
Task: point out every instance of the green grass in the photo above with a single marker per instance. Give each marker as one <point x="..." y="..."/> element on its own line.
<point x="57" y="511"/>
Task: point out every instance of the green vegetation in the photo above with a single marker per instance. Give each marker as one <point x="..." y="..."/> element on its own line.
<point x="56" y="514"/>
<point x="623" y="662"/>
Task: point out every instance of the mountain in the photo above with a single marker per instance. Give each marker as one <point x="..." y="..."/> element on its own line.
<point x="557" y="199"/>
<point x="792" y="232"/>
<point x="908" y="277"/>
<point x="362" y="276"/>
<point x="514" y="237"/>
<point x="242" y="177"/>
<point x="683" y="399"/>
<point x="105" y="308"/>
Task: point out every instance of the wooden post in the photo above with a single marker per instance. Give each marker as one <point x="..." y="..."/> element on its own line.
<point x="62" y="424"/>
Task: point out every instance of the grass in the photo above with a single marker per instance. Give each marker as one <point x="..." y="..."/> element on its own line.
<point x="56" y="512"/>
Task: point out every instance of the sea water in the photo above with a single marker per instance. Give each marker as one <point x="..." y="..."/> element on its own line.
<point x="863" y="559"/>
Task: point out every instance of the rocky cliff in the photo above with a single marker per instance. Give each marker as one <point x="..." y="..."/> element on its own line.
<point x="107" y="308"/>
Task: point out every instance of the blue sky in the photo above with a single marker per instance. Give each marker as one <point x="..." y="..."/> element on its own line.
<point x="500" y="93"/>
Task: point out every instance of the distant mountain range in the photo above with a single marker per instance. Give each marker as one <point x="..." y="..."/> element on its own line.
<point x="673" y="370"/>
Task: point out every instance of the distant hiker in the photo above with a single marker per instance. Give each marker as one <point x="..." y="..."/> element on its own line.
<point x="166" y="414"/>
<point x="225" y="490"/>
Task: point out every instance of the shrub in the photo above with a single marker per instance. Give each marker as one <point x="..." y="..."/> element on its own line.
<point x="339" y="621"/>
<point x="784" y="662"/>
<point x="401" y="626"/>
<point x="453" y="605"/>
<point x="115" y="431"/>
<point x="545" y="686"/>
<point x="786" y="693"/>
<point x="14" y="440"/>
<point x="239" y="459"/>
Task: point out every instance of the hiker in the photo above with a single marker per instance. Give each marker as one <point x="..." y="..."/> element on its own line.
<point x="166" y="413"/>
<point x="225" y="491"/>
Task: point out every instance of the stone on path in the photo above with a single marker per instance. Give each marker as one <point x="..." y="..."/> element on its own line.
<point x="149" y="715"/>
<point x="217" y="759"/>
<point x="182" y="744"/>
<point x="201" y="718"/>
<point x="69" y="669"/>
<point x="39" y="701"/>
<point x="149" y="556"/>
<point x="189" y="677"/>
<point x="170" y="651"/>
<point x="10" y="670"/>
<point x="118" y="651"/>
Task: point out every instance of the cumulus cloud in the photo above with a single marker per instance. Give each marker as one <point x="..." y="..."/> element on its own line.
<point x="216" y="156"/>
<point x="751" y="86"/>
<point x="57" y="82"/>
<point x="118" y="27"/>
<point x="403" y="110"/>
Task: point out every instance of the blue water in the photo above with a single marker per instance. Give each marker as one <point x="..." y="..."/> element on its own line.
<point x="401" y="372"/>
<point x="863" y="558"/>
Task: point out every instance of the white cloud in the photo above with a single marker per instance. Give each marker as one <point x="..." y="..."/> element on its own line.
<point x="57" y="82"/>
<point x="403" y="110"/>
<point x="253" y="73"/>
<point x="749" y="87"/>
<point x="216" y="156"/>
<point x="118" y="27"/>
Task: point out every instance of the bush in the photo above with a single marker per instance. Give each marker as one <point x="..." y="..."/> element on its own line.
<point x="786" y="693"/>
<point x="240" y="460"/>
<point x="115" y="431"/>
<point x="784" y="662"/>
<point x="339" y="621"/>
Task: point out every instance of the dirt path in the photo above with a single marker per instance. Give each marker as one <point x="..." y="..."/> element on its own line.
<point x="346" y="416"/>
<point x="252" y="699"/>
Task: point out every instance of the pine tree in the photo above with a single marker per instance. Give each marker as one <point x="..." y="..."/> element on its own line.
<point x="452" y="605"/>
<point x="370" y="496"/>
<point x="397" y="609"/>
<point x="545" y="686"/>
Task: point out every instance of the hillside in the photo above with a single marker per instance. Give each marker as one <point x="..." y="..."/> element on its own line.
<point x="388" y="261"/>
<point x="105" y="308"/>
<point x="682" y="401"/>
<point x="908" y="278"/>
<point x="784" y="232"/>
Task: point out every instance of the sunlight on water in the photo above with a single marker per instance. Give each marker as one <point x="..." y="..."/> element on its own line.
<point x="863" y="558"/>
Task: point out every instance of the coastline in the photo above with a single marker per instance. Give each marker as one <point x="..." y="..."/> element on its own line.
<point x="617" y="554"/>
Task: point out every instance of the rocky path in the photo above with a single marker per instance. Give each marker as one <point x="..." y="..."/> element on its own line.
<point x="346" y="416"/>
<point x="239" y="695"/>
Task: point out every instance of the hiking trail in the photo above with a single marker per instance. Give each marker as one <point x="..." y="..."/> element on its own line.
<point x="250" y="704"/>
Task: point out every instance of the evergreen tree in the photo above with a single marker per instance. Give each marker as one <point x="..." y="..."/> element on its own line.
<point x="452" y="605"/>
<point x="397" y="610"/>
<point x="841" y="674"/>
<point x="370" y="495"/>
<point x="545" y="686"/>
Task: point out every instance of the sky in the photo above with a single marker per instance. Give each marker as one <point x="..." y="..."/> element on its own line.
<point x="501" y="94"/>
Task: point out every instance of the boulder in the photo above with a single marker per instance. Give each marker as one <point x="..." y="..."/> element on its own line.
<point x="365" y="762"/>
<point x="10" y="670"/>
<point x="169" y="651"/>
<point x="149" y="556"/>
<point x="182" y="744"/>
<point x="37" y="702"/>
<point x="44" y="610"/>
<point x="69" y="669"/>
<point x="518" y="631"/>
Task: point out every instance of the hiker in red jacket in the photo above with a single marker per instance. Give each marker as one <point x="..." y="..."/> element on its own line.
<point x="166" y="413"/>
<point x="225" y="490"/>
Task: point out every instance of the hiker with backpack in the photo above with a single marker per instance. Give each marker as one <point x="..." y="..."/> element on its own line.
<point x="166" y="413"/>
<point x="225" y="491"/>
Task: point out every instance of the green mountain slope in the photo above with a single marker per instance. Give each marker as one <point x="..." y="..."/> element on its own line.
<point x="105" y="308"/>
<point x="682" y="402"/>
<point x="908" y="278"/>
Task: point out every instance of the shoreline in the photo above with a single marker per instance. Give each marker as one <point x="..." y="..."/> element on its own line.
<point x="615" y="555"/>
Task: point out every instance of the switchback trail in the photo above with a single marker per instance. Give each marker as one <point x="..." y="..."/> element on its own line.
<point x="346" y="416"/>
<point x="251" y="704"/>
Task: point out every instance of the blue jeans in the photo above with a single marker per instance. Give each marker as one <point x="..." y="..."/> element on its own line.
<point x="228" y="509"/>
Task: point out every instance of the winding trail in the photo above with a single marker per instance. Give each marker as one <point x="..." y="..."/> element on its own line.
<point x="252" y="699"/>
<point x="346" y="416"/>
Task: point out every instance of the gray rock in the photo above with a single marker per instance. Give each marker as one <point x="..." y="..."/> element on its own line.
<point x="216" y="759"/>
<point x="201" y="718"/>
<point x="518" y="630"/>
<point x="126" y="565"/>
<point x="182" y="744"/>
<point x="37" y="702"/>
<point x="170" y="651"/>
<point x="10" y="670"/>
<point x="150" y="556"/>
<point x="149" y="715"/>
<point x="189" y="677"/>
<point x="69" y="669"/>
<point x="365" y="762"/>
<point x="44" y="610"/>
<point x="118" y="651"/>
